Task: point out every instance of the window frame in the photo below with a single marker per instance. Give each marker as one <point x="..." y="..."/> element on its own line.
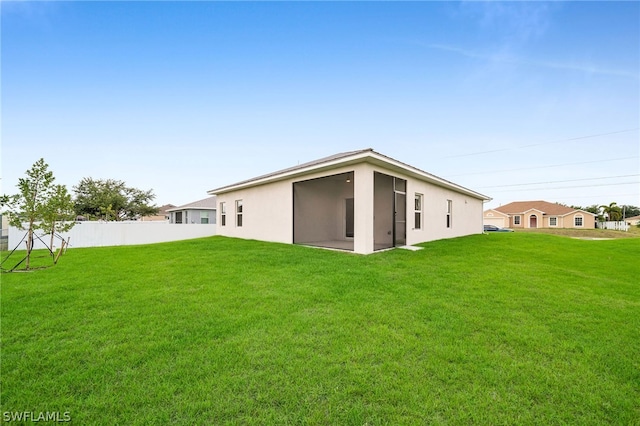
<point x="223" y="214"/>
<point x="204" y="215"/>
<point x="417" y="210"/>
<point x="575" y="221"/>
<point x="553" y="221"/>
<point x="449" y="214"/>
<point x="239" y="213"/>
<point x="516" y="219"/>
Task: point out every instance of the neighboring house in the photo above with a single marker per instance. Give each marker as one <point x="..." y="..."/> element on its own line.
<point x="538" y="214"/>
<point x="494" y="217"/>
<point x="200" y="212"/>
<point x="163" y="214"/>
<point x="633" y="221"/>
<point x="361" y="201"/>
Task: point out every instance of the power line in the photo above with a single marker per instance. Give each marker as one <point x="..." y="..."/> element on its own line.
<point x="567" y="187"/>
<point x="594" y="196"/>
<point x="557" y="181"/>
<point x="543" y="167"/>
<point x="543" y="143"/>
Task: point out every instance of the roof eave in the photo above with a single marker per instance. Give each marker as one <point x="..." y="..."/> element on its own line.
<point x="177" y="209"/>
<point x="369" y="156"/>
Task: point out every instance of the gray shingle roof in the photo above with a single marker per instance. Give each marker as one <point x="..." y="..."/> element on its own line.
<point x="294" y="168"/>
<point x="357" y="156"/>
<point x="208" y="203"/>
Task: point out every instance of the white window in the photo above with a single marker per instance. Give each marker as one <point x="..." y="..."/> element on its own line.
<point x="516" y="220"/>
<point x="577" y="221"/>
<point x="449" y="213"/>
<point x="223" y="214"/>
<point x="239" y="213"/>
<point x="553" y="221"/>
<point x="204" y="217"/>
<point x="418" y="212"/>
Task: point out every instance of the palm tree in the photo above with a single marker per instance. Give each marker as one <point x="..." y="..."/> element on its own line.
<point x="612" y="211"/>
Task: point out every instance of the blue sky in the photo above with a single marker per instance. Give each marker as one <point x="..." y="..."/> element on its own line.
<point x="516" y="100"/>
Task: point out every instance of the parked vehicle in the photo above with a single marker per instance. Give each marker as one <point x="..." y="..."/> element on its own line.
<point x="493" y="228"/>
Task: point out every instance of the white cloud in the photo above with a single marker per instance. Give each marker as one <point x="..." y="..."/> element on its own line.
<point x="507" y="58"/>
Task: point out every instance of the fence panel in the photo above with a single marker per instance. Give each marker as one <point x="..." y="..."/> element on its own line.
<point x="617" y="225"/>
<point x="100" y="234"/>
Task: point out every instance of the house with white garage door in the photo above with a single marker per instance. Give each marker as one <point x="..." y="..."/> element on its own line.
<point x="360" y="201"/>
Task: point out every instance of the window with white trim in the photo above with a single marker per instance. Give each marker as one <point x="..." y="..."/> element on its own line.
<point x="417" y="212"/>
<point x="553" y="221"/>
<point x="223" y="214"/>
<point x="239" y="213"/>
<point x="449" y="213"/>
<point x="516" y="220"/>
<point x="577" y="220"/>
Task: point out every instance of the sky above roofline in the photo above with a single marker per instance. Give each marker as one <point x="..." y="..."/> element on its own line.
<point x="516" y="100"/>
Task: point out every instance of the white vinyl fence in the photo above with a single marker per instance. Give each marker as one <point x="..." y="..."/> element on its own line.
<point x="98" y="234"/>
<point x="618" y="225"/>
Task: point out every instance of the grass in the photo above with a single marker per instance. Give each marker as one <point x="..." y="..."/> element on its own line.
<point x="633" y="232"/>
<point x="489" y="329"/>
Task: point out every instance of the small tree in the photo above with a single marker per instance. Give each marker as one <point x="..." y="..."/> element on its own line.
<point x="58" y="215"/>
<point x="30" y="205"/>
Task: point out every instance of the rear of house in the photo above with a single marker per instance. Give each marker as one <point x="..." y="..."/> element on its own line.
<point x="360" y="201"/>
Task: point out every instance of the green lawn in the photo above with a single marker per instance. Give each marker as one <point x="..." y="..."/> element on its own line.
<point x="489" y="329"/>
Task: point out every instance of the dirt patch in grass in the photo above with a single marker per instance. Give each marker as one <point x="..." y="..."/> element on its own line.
<point x="587" y="233"/>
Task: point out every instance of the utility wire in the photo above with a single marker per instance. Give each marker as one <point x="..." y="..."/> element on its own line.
<point x="566" y="187"/>
<point x="542" y="167"/>
<point x="592" y="196"/>
<point x="557" y="181"/>
<point x="543" y="143"/>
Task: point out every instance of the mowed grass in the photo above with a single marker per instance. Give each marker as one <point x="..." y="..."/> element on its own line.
<point x="488" y="329"/>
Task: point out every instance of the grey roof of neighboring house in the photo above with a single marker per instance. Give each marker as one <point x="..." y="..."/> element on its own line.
<point x="348" y="158"/>
<point x="208" y="203"/>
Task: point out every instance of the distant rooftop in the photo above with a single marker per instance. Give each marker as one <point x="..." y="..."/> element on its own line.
<point x="208" y="203"/>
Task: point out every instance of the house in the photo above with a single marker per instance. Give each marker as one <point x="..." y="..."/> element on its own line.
<point x="633" y="221"/>
<point x="200" y="212"/>
<point x="161" y="216"/>
<point x="361" y="201"/>
<point x="538" y="214"/>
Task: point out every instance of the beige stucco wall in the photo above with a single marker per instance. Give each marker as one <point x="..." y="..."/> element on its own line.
<point x="268" y="209"/>
<point x="588" y="221"/>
